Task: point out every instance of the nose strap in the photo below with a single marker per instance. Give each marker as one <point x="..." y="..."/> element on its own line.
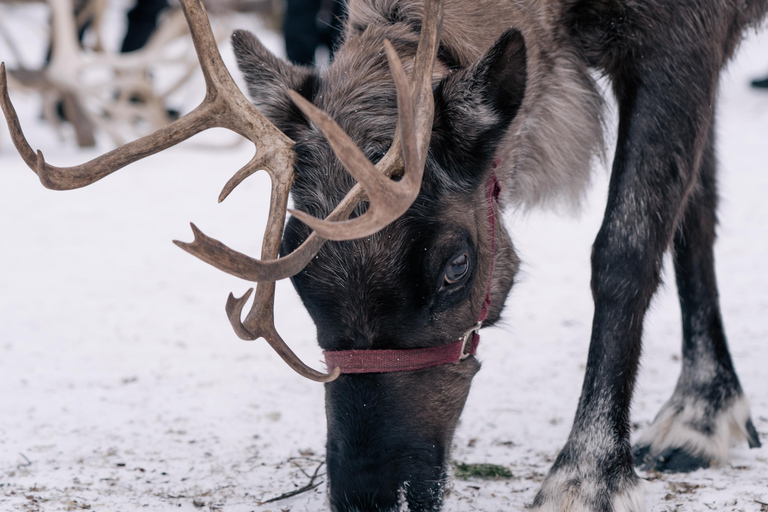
<point x="408" y="359"/>
<point x="403" y="360"/>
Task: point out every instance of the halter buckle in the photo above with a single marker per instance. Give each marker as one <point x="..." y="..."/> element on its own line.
<point x="469" y="335"/>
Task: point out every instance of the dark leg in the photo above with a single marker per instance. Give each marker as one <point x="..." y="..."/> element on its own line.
<point x="760" y="83"/>
<point x="663" y="127"/>
<point x="300" y="29"/>
<point x="142" y="21"/>
<point x="331" y="23"/>
<point x="708" y="410"/>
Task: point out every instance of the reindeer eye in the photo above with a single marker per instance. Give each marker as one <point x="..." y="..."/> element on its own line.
<point x="457" y="269"/>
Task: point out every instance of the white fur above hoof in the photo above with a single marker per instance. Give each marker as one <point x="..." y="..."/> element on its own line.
<point x="566" y="491"/>
<point x="687" y="435"/>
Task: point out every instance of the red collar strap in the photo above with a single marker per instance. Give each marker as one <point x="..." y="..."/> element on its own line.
<point x="385" y="361"/>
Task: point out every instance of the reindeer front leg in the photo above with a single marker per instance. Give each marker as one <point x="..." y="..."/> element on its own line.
<point x="663" y="127"/>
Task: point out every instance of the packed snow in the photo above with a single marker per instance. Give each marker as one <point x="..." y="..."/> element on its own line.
<point x="123" y="387"/>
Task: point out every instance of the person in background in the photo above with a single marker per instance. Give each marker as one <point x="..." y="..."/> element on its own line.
<point x="142" y="22"/>
<point x="309" y="24"/>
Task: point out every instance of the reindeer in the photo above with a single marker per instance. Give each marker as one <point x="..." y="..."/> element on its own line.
<point x="500" y="110"/>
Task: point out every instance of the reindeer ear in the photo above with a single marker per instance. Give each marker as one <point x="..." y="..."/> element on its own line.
<point x="504" y="70"/>
<point x="268" y="77"/>
<point x="474" y="106"/>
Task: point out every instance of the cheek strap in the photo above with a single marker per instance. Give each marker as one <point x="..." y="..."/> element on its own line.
<point x="401" y="360"/>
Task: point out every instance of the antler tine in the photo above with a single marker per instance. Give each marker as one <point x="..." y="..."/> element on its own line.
<point x="292" y="360"/>
<point x="388" y="199"/>
<point x="426" y="54"/>
<point x="68" y="178"/>
<point x="243" y="266"/>
<point x="14" y="127"/>
<point x="421" y="85"/>
<point x="412" y="163"/>
<point x="234" y="310"/>
<point x="347" y="151"/>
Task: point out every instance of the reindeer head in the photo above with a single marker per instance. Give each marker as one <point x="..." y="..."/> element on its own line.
<point x="420" y="259"/>
<point x="421" y="281"/>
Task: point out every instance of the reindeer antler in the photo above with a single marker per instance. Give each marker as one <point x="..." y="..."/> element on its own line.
<point x="389" y="199"/>
<point x="225" y="106"/>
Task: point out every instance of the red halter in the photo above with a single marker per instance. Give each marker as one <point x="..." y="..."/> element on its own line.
<point x="384" y="361"/>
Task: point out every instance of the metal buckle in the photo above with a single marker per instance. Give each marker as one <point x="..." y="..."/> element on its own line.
<point x="468" y="336"/>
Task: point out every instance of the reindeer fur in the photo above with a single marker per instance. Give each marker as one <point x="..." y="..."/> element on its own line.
<point x="514" y="96"/>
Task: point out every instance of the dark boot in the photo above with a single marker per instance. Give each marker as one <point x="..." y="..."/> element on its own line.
<point x="142" y="21"/>
<point x="760" y="83"/>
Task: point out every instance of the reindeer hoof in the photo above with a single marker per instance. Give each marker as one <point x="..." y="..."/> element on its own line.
<point x="672" y="460"/>
<point x="576" y="488"/>
<point x="690" y="433"/>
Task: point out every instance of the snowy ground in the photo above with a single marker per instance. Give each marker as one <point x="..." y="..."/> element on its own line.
<point x="122" y="386"/>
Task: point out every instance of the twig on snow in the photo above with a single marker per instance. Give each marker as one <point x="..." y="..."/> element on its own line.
<point x="309" y="459"/>
<point x="311" y="485"/>
<point x="300" y="468"/>
<point x="29" y="462"/>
